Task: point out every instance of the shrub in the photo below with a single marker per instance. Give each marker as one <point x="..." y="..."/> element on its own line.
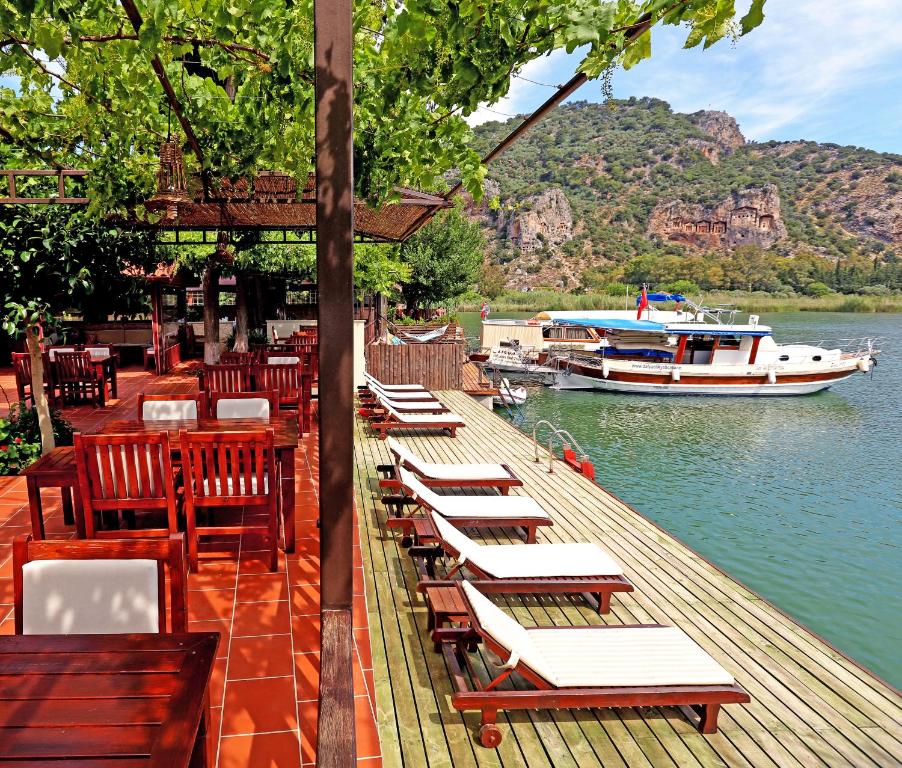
<point x="20" y="437"/>
<point x="817" y="289"/>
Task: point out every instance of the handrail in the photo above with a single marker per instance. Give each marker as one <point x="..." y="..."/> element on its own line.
<point x="555" y="433"/>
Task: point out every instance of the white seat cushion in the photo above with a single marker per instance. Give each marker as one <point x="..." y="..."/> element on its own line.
<point x="289" y="360"/>
<point x="242" y="486"/>
<point x="52" y="353"/>
<point x="243" y="408"/>
<point x="447" y="471"/>
<point x="486" y="507"/>
<point x="98" y="353"/>
<point x="625" y="657"/>
<point x="63" y="597"/>
<point x="529" y="561"/>
<point x="163" y="410"/>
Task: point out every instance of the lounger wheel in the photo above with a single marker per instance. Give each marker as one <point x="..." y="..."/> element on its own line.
<point x="489" y="736"/>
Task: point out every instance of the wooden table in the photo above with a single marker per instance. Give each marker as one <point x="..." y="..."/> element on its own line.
<point x="285" y="437"/>
<point x="106" y="367"/>
<point x="446" y="609"/>
<point x="108" y="701"/>
<point x="55" y="470"/>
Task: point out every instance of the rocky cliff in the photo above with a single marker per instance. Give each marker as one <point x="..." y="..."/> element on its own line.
<point x="750" y="217"/>
<point x="596" y="186"/>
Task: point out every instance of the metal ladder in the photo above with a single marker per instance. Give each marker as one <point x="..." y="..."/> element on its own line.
<point x="581" y="464"/>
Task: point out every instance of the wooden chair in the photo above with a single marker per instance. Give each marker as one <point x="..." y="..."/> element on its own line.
<point x="639" y="665"/>
<point x="245" y="405"/>
<point x="22" y="370"/>
<point x="230" y="470"/>
<point x="127" y="475"/>
<point x="91" y="587"/>
<point x="237" y="358"/>
<point x="77" y="378"/>
<point x="170" y="407"/>
<point x="293" y="386"/>
<point x="226" y="378"/>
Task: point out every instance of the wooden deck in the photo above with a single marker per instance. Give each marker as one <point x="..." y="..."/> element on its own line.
<point x="811" y="706"/>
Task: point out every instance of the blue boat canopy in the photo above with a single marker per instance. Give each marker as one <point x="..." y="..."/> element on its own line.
<point x="615" y="323"/>
<point x="662" y="297"/>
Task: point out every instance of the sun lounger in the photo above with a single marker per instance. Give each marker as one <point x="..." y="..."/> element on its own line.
<point x="536" y="569"/>
<point x="470" y="511"/>
<point x="394" y="419"/>
<point x="373" y="392"/>
<point x="584" y="667"/>
<point x="410" y="406"/>
<point x="498" y="476"/>
<point x="393" y="387"/>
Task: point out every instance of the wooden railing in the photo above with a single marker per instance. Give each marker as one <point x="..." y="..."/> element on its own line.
<point x="435" y="366"/>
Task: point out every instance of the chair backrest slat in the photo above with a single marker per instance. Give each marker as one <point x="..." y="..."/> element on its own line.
<point x="226" y="378"/>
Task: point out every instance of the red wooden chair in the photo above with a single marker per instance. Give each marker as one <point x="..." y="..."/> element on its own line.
<point x="245" y="405"/>
<point x="106" y="587"/>
<point x="171" y="407"/>
<point x="237" y="358"/>
<point x="127" y="474"/>
<point x="292" y="384"/>
<point x="22" y="369"/>
<point x="226" y="378"/>
<point x="231" y="470"/>
<point x="77" y="377"/>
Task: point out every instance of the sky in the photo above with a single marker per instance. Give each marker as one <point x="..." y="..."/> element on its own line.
<point x="822" y="70"/>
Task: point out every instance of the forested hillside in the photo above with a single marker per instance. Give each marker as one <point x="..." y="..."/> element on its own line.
<point x="631" y="191"/>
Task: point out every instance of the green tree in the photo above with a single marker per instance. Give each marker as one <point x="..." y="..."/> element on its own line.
<point x="444" y="258"/>
<point x="491" y="281"/>
<point x="51" y="259"/>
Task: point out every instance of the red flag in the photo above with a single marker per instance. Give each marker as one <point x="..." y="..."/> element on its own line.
<point x="643" y="303"/>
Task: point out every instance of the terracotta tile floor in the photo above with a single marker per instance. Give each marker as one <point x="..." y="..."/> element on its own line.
<point x="264" y="688"/>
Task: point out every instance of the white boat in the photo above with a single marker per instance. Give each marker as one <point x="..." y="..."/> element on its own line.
<point x="692" y="350"/>
<point x="509" y="395"/>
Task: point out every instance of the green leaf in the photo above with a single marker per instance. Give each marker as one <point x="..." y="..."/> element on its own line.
<point x="754" y="17"/>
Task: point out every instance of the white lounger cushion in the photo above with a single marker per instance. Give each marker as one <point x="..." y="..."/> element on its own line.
<point x="411" y="405"/>
<point x="420" y="396"/>
<point x="90" y="597"/>
<point x="486" y="507"/>
<point x="611" y="657"/>
<point x="409" y="387"/>
<point x="162" y="410"/>
<point x="425" y="418"/>
<point x="242" y="408"/>
<point x="447" y="471"/>
<point x="529" y="561"/>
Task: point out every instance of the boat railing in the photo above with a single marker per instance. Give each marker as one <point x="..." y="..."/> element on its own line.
<point x="568" y="444"/>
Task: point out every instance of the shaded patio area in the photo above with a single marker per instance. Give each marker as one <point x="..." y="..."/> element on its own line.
<point x="266" y="678"/>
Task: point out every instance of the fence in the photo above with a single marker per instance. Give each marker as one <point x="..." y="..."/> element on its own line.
<point x="435" y="366"/>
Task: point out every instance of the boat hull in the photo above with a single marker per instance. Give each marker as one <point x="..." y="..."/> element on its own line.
<point x="662" y="381"/>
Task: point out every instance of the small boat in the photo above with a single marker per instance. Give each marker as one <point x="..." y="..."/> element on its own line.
<point x="509" y="395"/>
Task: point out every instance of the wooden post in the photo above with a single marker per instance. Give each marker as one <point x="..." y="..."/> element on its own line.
<point x="333" y="45"/>
<point x="156" y="324"/>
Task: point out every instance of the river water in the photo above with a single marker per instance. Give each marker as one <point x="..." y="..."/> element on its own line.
<point x="800" y="498"/>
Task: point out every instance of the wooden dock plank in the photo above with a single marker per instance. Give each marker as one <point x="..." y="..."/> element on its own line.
<point x="811" y="705"/>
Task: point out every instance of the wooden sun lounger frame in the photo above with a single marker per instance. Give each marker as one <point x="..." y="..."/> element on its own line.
<point x="471" y="694"/>
<point x="390" y="481"/>
<point x="382" y="423"/>
<point x="596" y="590"/>
<point x="413" y="524"/>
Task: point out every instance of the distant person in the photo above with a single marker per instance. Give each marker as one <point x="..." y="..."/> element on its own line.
<point x="484" y="312"/>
